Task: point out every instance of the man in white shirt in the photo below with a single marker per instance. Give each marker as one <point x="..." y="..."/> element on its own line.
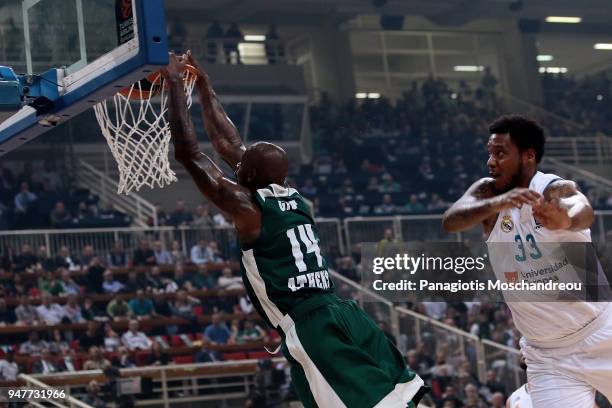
<point x="200" y="253"/>
<point x="9" y="368"/>
<point x="228" y="282"/>
<point x="50" y="313"/>
<point x="162" y="256"/>
<point x="134" y="339"/>
<point x="110" y="285"/>
<point x="33" y="346"/>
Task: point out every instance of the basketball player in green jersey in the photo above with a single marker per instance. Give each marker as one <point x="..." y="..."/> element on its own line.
<point x="338" y="356"/>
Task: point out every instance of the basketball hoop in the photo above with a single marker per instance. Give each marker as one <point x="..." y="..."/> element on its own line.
<point x="138" y="133"/>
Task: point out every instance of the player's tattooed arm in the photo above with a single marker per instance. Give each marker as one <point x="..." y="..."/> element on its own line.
<point x="563" y="206"/>
<point x="220" y="129"/>
<point x="481" y="203"/>
<point x="230" y="197"/>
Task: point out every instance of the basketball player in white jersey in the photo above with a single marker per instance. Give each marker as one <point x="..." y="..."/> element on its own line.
<point x="567" y="346"/>
<point x="521" y="398"/>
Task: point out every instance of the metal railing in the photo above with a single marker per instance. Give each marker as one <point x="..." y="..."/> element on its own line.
<point x="412" y="329"/>
<point x="594" y="180"/>
<point x="103" y="239"/>
<point x="132" y="204"/>
<point x="429" y="228"/>
<point x="67" y="402"/>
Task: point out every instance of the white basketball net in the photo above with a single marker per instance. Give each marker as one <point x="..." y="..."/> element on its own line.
<point x="138" y="135"/>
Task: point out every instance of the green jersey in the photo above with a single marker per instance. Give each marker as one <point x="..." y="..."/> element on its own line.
<point x="284" y="266"/>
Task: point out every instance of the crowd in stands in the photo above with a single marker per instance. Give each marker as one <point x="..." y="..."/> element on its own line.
<point x="95" y="310"/>
<point x="585" y="101"/>
<point x="412" y="157"/>
<point x="33" y="198"/>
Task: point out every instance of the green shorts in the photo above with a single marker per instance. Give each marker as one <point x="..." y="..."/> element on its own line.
<point x="340" y="358"/>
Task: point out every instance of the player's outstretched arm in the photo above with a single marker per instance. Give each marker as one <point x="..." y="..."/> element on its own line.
<point x="564" y="207"/>
<point x="480" y="204"/>
<point x="220" y="129"/>
<point x="230" y="197"/>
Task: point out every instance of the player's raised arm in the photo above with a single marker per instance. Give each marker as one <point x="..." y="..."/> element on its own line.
<point x="230" y="197"/>
<point x="563" y="206"/>
<point x="222" y="132"/>
<point x="480" y="204"/>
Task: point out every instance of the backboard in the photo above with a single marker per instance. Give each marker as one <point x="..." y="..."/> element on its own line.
<point x="69" y="55"/>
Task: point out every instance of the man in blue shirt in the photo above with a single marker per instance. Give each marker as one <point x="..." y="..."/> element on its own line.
<point x="217" y="332"/>
<point x="141" y="306"/>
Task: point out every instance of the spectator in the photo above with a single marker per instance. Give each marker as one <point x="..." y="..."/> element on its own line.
<point x="87" y="255"/>
<point x="201" y="253"/>
<point x="96" y="360"/>
<point x="134" y="283"/>
<point x="206" y="355"/>
<point x="59" y="217"/>
<point x="217" y="332"/>
<point x="162" y="256"/>
<point x="158" y="356"/>
<point x="118" y="309"/>
<point x="388" y="239"/>
<point x="141" y="306"/>
<point x="33" y="346"/>
<point x="110" y="285"/>
<point x="46" y="364"/>
<point x="155" y="282"/>
<point x="124" y="360"/>
<point x="387" y="206"/>
<point x="414" y="206"/>
<point x="216" y="257"/>
<point x="220" y="220"/>
<point x="183" y="305"/>
<point x="177" y="253"/>
<point x="245" y="304"/>
<point x="69" y="286"/>
<point x="112" y="341"/>
<point x="117" y="258"/>
<point x="144" y="255"/>
<point x="50" y="285"/>
<point x="229" y="282"/>
<point x="72" y="310"/>
<point x="50" y="313"/>
<point x="232" y="37"/>
<point x="436" y="204"/>
<point x="91" y="337"/>
<point x="9" y="370"/>
<point x="275" y="49"/>
<point x="493" y="385"/>
<point x="44" y="260"/>
<point x="181" y="279"/>
<point x="497" y="400"/>
<point x="66" y="261"/>
<point x="180" y="216"/>
<point x="26" y="260"/>
<point x="346" y="267"/>
<point x="202" y="218"/>
<point x="91" y="312"/>
<point x="309" y="189"/>
<point x="249" y="333"/>
<point x="203" y="280"/>
<point x="389" y="185"/>
<point x="24" y="199"/>
<point x="7" y="316"/>
<point x="25" y="313"/>
<point x="95" y="275"/>
<point x="472" y="398"/>
<point x="213" y="35"/>
<point x="134" y="339"/>
<point x="93" y="396"/>
<point x="58" y="345"/>
<point x="84" y="212"/>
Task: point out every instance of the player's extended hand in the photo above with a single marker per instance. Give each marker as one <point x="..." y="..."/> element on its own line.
<point x="175" y="67"/>
<point x="202" y="76"/>
<point x="551" y="214"/>
<point x="516" y="198"/>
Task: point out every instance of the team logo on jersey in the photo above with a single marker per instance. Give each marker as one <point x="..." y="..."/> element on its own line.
<point x="506" y="223"/>
<point x="511" y="277"/>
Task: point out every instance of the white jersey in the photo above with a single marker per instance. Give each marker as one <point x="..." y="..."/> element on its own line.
<point x="520" y="258"/>
<point x="520" y="398"/>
